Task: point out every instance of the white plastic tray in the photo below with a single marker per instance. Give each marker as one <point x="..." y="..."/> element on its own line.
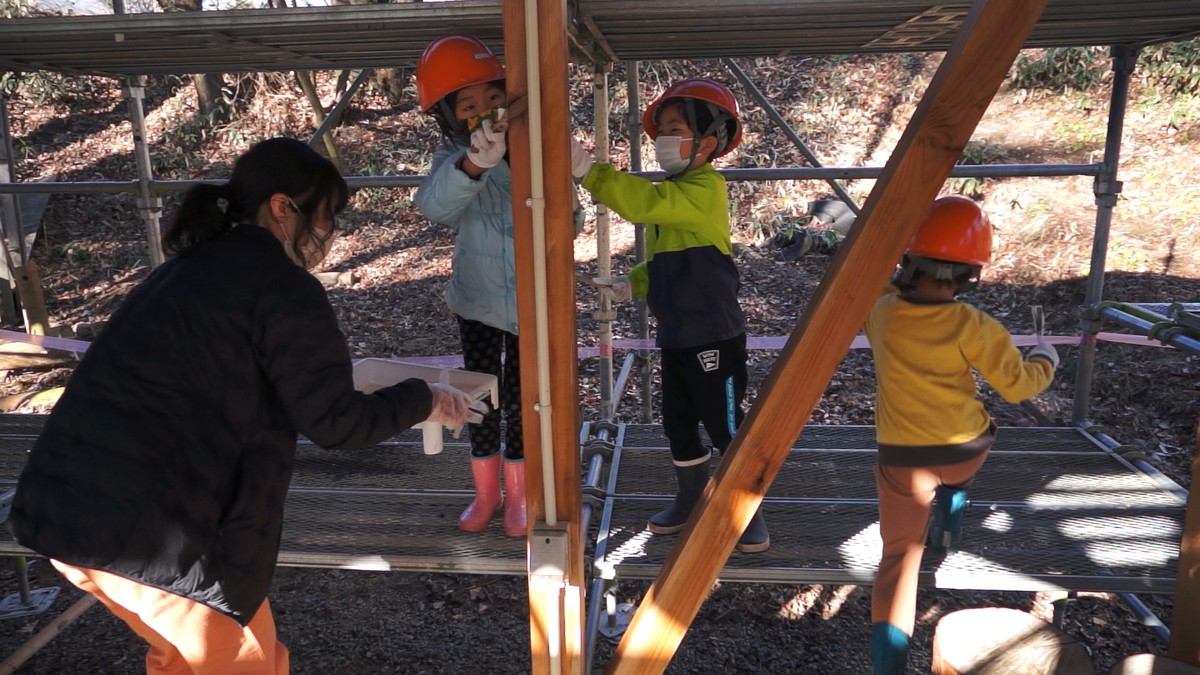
<point x="373" y="374"/>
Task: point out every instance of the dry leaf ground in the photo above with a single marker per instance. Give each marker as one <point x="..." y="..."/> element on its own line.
<point x="850" y="111"/>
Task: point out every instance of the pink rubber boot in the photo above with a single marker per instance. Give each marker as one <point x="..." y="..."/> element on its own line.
<point x="515" y="521"/>
<point x="486" y="472"/>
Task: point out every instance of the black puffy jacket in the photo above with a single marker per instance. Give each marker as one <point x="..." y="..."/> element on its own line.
<point x="168" y="457"/>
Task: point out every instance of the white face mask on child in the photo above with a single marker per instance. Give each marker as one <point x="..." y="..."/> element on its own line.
<point x="666" y="151"/>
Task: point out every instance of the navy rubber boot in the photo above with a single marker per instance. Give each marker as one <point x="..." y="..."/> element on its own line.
<point x="889" y="649"/>
<point x="692" y="481"/>
<point x="755" y="539"/>
<point x="945" y="528"/>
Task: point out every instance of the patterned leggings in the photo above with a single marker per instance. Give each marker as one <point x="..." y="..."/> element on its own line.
<point x="491" y="350"/>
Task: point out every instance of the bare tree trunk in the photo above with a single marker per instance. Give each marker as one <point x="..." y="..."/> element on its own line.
<point x="305" y="79"/>
<point x="210" y="95"/>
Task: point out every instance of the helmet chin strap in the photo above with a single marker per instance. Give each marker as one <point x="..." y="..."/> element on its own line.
<point x="450" y="125"/>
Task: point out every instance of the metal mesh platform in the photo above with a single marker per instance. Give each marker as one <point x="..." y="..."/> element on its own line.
<point x="388" y="507"/>
<point x="1052" y="509"/>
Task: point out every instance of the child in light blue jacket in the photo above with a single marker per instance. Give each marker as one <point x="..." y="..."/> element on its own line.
<point x="460" y="81"/>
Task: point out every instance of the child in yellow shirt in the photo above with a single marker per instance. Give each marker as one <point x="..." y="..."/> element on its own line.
<point x="933" y="433"/>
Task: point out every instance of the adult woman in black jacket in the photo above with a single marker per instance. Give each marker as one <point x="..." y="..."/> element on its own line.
<point x="159" y="481"/>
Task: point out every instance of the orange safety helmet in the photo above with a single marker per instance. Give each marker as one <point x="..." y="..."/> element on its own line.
<point x="954" y="229"/>
<point x="715" y="95"/>
<point x="451" y="63"/>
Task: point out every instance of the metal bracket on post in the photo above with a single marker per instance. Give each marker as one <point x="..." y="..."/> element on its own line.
<point x="1089" y="320"/>
<point x="1106" y="190"/>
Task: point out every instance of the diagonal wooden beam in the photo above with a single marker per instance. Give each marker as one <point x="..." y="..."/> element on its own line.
<point x="971" y="73"/>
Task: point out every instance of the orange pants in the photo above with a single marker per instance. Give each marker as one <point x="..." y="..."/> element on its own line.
<point x="905" y="497"/>
<point x="186" y="636"/>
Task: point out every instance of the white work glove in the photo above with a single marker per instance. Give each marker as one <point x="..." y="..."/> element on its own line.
<point x="616" y="289"/>
<point x="487" y="146"/>
<point x="451" y="405"/>
<point x="581" y="160"/>
<point x="1044" y="350"/>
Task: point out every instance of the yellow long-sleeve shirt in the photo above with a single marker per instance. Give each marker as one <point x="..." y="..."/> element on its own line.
<point x="924" y="355"/>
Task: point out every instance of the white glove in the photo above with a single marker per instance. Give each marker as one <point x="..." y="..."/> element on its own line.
<point x="451" y="405"/>
<point x="616" y="289"/>
<point x="1044" y="350"/>
<point x="487" y="146"/>
<point x="581" y="160"/>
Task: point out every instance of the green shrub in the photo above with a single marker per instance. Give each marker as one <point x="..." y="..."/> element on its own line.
<point x="1060" y="70"/>
<point x="1173" y="67"/>
<point x="39" y="86"/>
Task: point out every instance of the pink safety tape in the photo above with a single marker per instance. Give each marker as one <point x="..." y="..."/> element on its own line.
<point x="456" y="361"/>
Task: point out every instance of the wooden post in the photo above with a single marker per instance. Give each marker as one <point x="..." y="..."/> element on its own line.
<point x="975" y="66"/>
<point x="1185" y="619"/>
<point x="999" y="640"/>
<point x="556" y="607"/>
<point x="33" y="301"/>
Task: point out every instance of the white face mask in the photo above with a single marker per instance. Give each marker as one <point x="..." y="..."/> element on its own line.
<point x="666" y="151"/>
<point x="313" y="251"/>
<point x="316" y="248"/>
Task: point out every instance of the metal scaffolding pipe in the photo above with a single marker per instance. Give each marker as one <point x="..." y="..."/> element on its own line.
<point x="149" y="205"/>
<point x="634" y="129"/>
<point x="170" y="186"/>
<point x="1106" y="187"/>
<point x="605" y="315"/>
<point x="731" y="175"/>
<point x="787" y="129"/>
<point x="336" y="113"/>
<point x="1146" y="616"/>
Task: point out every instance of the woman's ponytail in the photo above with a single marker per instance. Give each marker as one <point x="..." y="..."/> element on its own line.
<point x="205" y="214"/>
<point x="274" y="166"/>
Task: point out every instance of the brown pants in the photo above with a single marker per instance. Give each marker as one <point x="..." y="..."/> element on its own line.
<point x="185" y="636"/>
<point x="905" y="497"/>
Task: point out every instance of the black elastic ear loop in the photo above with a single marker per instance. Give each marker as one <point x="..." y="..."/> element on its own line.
<point x="689" y="105"/>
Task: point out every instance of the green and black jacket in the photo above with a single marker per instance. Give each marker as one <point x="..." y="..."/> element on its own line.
<point x="688" y="279"/>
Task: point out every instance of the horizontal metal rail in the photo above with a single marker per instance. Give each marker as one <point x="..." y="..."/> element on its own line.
<point x="732" y="175"/>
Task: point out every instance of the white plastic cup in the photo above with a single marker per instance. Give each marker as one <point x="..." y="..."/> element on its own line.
<point x="431" y="437"/>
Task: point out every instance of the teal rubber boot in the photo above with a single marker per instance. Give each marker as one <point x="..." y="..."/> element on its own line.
<point x="945" y="528"/>
<point x="889" y="649"/>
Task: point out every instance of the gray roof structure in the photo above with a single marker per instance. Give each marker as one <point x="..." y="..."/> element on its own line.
<point x="356" y="36"/>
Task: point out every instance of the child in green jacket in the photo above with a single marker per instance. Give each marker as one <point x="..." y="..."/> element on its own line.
<point x="689" y="281"/>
